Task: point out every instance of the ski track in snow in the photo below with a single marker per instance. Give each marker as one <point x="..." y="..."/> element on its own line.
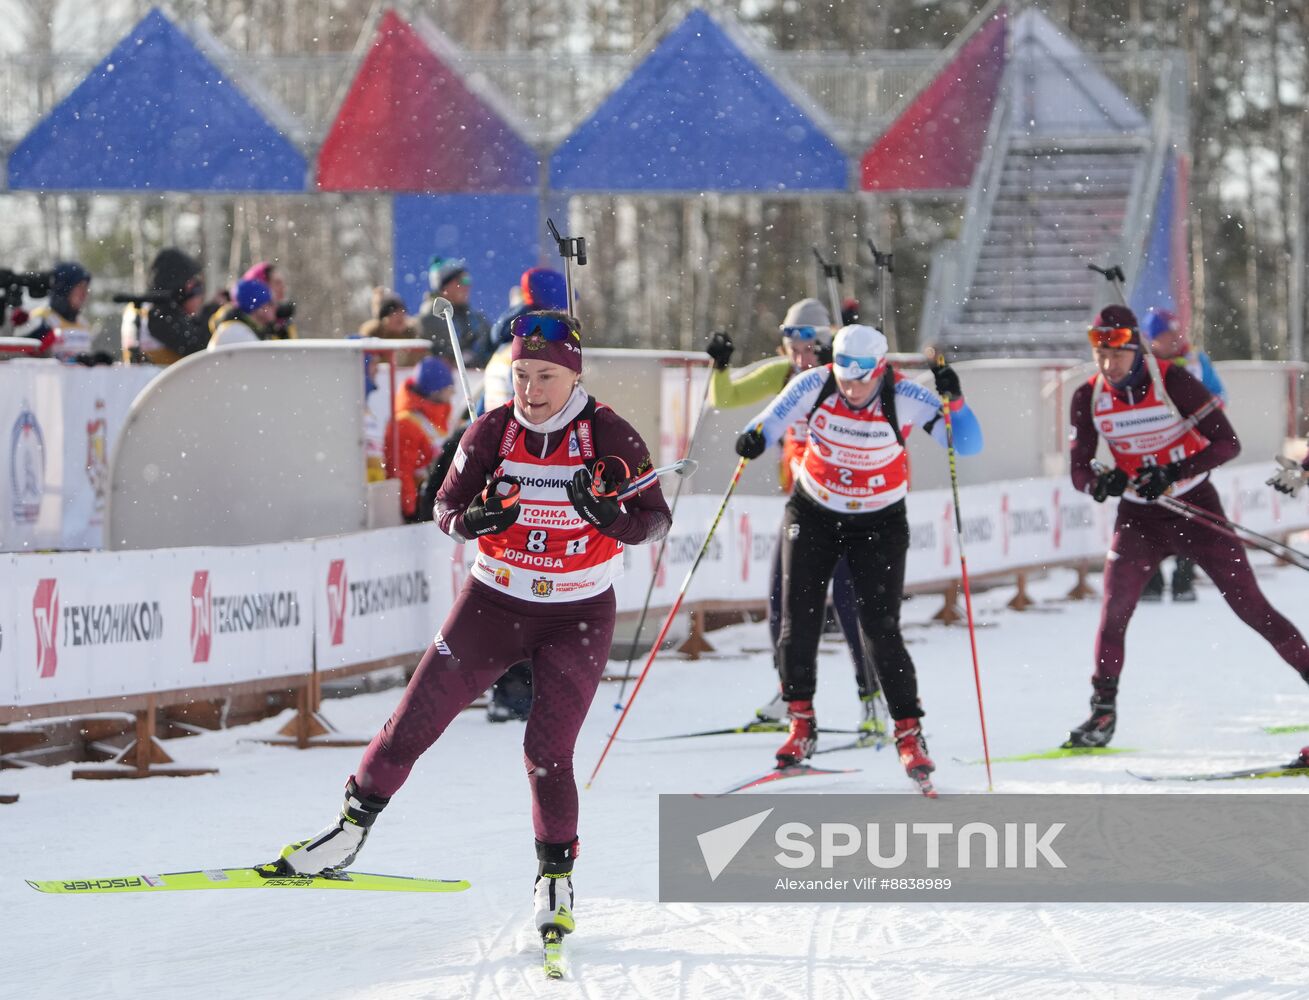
<point x="1197" y="689"/>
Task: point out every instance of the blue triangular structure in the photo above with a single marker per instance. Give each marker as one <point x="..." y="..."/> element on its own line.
<point x="156" y="115"/>
<point x="699" y="115"/>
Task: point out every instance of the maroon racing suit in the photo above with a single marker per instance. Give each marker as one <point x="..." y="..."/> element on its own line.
<point x="565" y="633"/>
<point x="1147" y="533"/>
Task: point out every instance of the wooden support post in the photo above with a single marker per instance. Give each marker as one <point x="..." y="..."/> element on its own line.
<point x="1021" y="601"/>
<point x="307" y="727"/>
<point x="1081" y="590"/>
<point x="949" y="613"/>
<point x="8" y="800"/>
<point x="696" y="643"/>
<point x="141" y="756"/>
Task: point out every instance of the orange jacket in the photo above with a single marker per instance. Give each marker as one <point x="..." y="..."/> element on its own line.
<point x="422" y="426"/>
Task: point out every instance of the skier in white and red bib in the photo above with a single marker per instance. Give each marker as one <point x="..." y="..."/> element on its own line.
<point x="849" y="502"/>
<point x="536" y="483"/>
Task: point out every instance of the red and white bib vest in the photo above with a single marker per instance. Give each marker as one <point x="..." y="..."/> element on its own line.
<point x="1148" y="432"/>
<point x="853" y="461"/>
<point x="550" y="554"/>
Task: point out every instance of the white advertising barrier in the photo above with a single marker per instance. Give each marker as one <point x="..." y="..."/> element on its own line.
<point x="78" y="626"/>
<point x="58" y="426"/>
<point x="381" y="593"/>
<point x="99" y="625"/>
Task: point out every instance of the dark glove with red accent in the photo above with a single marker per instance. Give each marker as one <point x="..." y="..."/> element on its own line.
<point x="495" y="509"/>
<point x="947" y="382"/>
<point x="1108" y="483"/>
<point x="601" y="511"/>
<point x="1153" y="480"/>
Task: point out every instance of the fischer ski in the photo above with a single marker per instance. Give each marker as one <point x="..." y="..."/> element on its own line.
<point x="1058" y="753"/>
<point x="552" y="953"/>
<point x="756" y="726"/>
<point x="267" y="876"/>
<point x="1298" y="768"/>
<point x="781" y="774"/>
<point x="1283" y="730"/>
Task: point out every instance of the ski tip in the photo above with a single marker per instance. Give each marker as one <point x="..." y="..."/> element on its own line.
<point x="35" y="885"/>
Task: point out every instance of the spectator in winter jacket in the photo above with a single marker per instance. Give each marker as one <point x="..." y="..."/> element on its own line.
<point x="249" y="318"/>
<point x="282" y="327"/>
<point x="449" y="279"/>
<point x="391" y="321"/>
<point x="70" y="285"/>
<point x="170" y="328"/>
<point x="421" y="423"/>
<point x="540" y="288"/>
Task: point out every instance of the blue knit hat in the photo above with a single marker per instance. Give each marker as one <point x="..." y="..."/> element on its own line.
<point x="249" y="295"/>
<point x="544" y="288"/>
<point x="67" y="275"/>
<point x="432" y="376"/>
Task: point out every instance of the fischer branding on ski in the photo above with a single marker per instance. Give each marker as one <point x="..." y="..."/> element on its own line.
<point x="262" y="877"/>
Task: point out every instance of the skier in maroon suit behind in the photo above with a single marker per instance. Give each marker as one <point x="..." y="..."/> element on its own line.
<point x="550" y="539"/>
<point x="1160" y="445"/>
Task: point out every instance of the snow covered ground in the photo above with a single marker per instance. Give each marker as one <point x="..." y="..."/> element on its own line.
<point x="1197" y="689"/>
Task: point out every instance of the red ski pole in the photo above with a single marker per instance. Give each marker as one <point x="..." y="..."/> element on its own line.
<point x="963" y="570"/>
<point x="677" y="604"/>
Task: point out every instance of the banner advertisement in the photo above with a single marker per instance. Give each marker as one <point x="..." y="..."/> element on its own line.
<point x="58" y="424"/>
<point x="106" y="624"/>
<point x="380" y="593"/>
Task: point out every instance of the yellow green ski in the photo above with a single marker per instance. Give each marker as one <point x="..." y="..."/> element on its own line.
<point x="1056" y="753"/>
<point x="260" y="877"/>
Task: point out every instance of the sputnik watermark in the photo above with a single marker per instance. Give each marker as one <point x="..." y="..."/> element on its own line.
<point x="993" y="848"/>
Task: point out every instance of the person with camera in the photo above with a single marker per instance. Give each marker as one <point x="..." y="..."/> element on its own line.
<point x="70" y="286"/>
<point x="526" y="487"/>
<point x="247" y="319"/>
<point x="165" y="325"/>
<point x="282" y="326"/>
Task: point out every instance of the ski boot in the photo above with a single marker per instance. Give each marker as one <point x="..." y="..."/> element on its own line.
<point x="912" y="746"/>
<point x="774" y="711"/>
<point x="1154" y="588"/>
<point x="553" y="897"/>
<point x="1096" y="731"/>
<point x="872" y="727"/>
<point x="1184" y="582"/>
<point x="803" y="738"/>
<point x="338" y="845"/>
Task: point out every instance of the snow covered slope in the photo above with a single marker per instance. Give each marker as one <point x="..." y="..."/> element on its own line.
<point x="1197" y="689"/>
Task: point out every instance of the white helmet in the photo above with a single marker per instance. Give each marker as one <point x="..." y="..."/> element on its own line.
<point x="859" y="353"/>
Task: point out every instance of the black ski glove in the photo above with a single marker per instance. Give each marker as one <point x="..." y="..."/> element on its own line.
<point x="601" y="511"/>
<point x="751" y="444"/>
<point x="947" y="383"/>
<point x="1109" y="483"/>
<point x="495" y="509"/>
<point x="720" y="349"/>
<point x="1151" y="482"/>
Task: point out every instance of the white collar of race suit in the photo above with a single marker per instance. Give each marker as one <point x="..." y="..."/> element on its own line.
<point x="561" y="419"/>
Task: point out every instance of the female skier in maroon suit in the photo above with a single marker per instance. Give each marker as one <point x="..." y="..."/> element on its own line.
<point x="550" y="539"/>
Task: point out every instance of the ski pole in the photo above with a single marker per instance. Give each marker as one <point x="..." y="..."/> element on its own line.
<point x="683" y="468"/>
<point x="1114" y="275"/>
<point x="883" y="262"/>
<point x="663" y="547"/>
<point x="1231" y="529"/>
<point x="444" y="308"/>
<point x="963" y="570"/>
<point x="832" y="272"/>
<point x="672" y="613"/>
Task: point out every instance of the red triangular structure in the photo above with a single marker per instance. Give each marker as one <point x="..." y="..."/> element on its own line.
<point x="409" y="123"/>
<point x="936" y="141"/>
